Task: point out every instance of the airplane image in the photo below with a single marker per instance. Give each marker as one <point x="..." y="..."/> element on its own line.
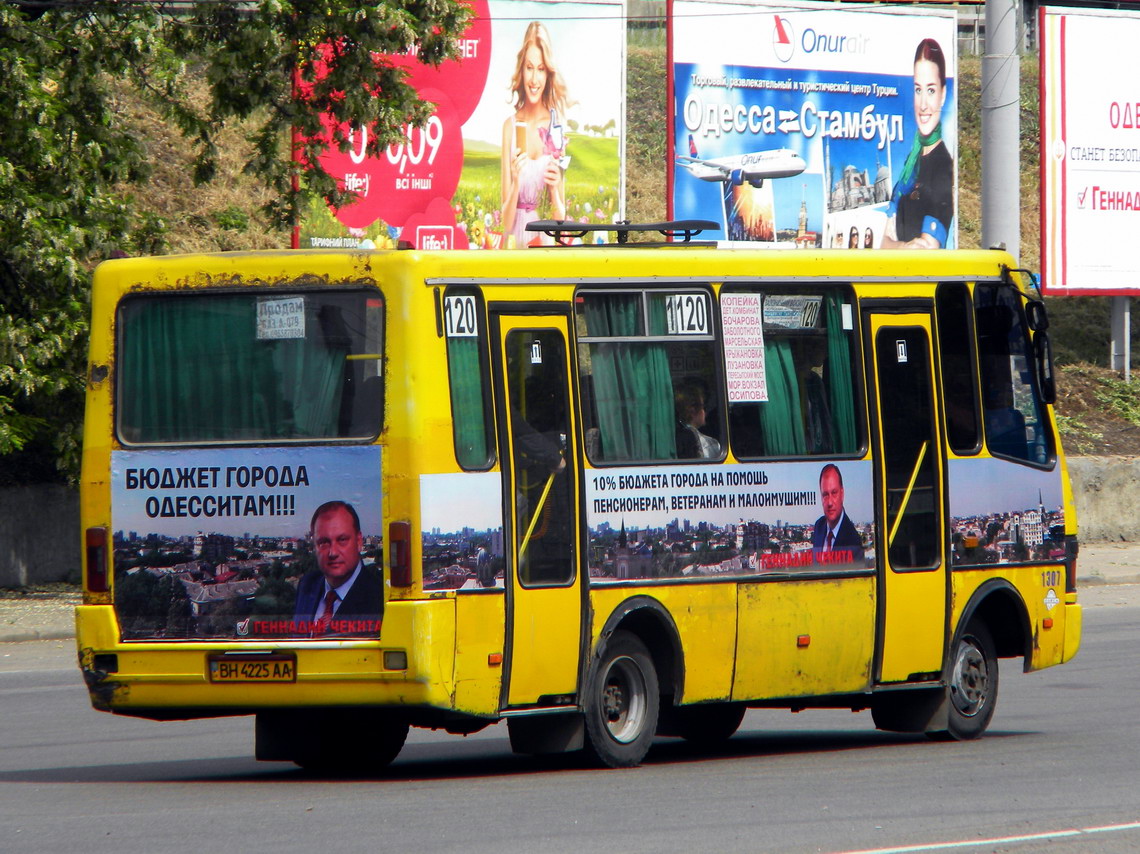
<point x="737" y="169"/>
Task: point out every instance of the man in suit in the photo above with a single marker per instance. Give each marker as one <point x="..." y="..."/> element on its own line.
<point x="835" y="539"/>
<point x="342" y="596"/>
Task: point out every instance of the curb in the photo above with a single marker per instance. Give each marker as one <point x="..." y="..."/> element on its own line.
<point x="36" y="635"/>
<point x="1101" y="581"/>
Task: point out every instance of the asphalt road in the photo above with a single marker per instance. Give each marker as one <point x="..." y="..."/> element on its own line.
<point x="1058" y="771"/>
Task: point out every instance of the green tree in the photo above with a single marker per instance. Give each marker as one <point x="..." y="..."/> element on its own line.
<point x="275" y="596"/>
<point x="67" y="162"/>
<point x="141" y="602"/>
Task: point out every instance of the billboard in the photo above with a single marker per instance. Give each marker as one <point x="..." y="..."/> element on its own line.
<point x="1090" y="151"/>
<point x="811" y="127"/>
<point x="529" y="124"/>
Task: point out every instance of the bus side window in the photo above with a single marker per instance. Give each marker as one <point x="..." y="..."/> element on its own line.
<point x="468" y="378"/>
<point x="959" y="374"/>
<point x="648" y="377"/>
<point x="810" y="405"/>
<point x="1012" y="417"/>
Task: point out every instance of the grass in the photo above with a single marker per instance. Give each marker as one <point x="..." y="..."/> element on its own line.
<point x="1121" y="398"/>
<point x="1076" y="436"/>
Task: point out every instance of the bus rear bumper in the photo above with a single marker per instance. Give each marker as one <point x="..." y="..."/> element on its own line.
<point x="409" y="666"/>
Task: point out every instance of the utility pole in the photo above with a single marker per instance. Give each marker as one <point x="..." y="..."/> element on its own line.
<point x="1001" y="95"/>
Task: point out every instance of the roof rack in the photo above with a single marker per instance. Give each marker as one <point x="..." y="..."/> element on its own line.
<point x="682" y="231"/>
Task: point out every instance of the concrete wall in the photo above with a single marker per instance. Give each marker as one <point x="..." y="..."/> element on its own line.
<point x="40" y="536"/>
<point x="1103" y="488"/>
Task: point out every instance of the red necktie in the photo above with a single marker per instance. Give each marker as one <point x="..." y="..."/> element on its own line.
<point x="326" y="616"/>
<point x="830" y="540"/>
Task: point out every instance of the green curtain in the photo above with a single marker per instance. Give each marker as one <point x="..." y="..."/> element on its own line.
<point x="468" y="412"/>
<point x="193" y="370"/>
<point x="780" y="418"/>
<point x="633" y="389"/>
<point x="310" y="381"/>
<point x="840" y="384"/>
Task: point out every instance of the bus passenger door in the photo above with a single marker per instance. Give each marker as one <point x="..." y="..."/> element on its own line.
<point x="910" y="499"/>
<point x="540" y="487"/>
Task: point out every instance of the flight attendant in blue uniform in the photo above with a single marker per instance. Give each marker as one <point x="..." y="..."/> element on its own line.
<point x="922" y="203"/>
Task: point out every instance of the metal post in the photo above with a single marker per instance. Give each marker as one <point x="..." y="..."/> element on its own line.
<point x="1001" y="167"/>
<point x="1120" y="355"/>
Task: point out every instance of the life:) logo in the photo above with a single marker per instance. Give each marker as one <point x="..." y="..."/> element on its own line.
<point x="431" y="238"/>
<point x="783" y="39"/>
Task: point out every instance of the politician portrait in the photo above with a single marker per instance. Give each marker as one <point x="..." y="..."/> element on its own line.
<point x="342" y="596"/>
<point x="835" y="538"/>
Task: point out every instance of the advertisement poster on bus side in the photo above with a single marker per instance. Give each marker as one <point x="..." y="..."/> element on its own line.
<point x="809" y="127"/>
<point x="443" y="188"/>
<point x="462" y="519"/>
<point x="701" y="522"/>
<point x="244" y="543"/>
<point x="1003" y="512"/>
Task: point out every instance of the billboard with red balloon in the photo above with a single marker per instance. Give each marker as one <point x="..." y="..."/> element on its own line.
<point x="528" y="124"/>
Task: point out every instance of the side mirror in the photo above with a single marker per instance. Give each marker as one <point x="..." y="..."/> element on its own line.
<point x="1036" y="317"/>
<point x="1046" y="382"/>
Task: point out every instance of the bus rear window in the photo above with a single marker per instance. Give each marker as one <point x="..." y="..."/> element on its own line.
<point x="273" y="366"/>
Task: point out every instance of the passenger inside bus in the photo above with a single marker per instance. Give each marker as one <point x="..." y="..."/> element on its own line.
<point x="540" y="429"/>
<point x="810" y="356"/>
<point x="692" y="442"/>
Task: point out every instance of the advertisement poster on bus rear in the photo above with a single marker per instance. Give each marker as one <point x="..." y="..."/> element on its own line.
<point x="811" y="127"/>
<point x="247" y="543"/>
<point x="529" y="124"/>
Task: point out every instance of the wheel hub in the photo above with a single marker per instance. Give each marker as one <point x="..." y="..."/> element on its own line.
<point x="969" y="683"/>
<point x="623" y="700"/>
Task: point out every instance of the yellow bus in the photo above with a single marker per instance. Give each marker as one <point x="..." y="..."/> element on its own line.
<point x="602" y="493"/>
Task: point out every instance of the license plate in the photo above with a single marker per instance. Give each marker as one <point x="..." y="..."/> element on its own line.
<point x="253" y="668"/>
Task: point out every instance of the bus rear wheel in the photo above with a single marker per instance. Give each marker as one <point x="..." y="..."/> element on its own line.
<point x="971" y="685"/>
<point x="621" y="703"/>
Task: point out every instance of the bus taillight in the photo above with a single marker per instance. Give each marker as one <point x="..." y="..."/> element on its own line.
<point x="97" y="560"/>
<point x="1072" y="549"/>
<point x="400" y="557"/>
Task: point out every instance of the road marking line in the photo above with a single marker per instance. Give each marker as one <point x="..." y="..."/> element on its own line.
<point x="977" y="843"/>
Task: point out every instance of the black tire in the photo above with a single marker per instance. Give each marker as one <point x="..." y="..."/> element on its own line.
<point x="372" y="742"/>
<point x="971" y="685"/>
<point x="706" y="725"/>
<point x="621" y="703"/>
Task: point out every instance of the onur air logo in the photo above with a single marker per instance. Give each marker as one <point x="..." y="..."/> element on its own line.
<point x="783" y="39"/>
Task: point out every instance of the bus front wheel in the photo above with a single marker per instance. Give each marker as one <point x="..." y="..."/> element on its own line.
<point x="622" y="703"/>
<point x="971" y="685"/>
